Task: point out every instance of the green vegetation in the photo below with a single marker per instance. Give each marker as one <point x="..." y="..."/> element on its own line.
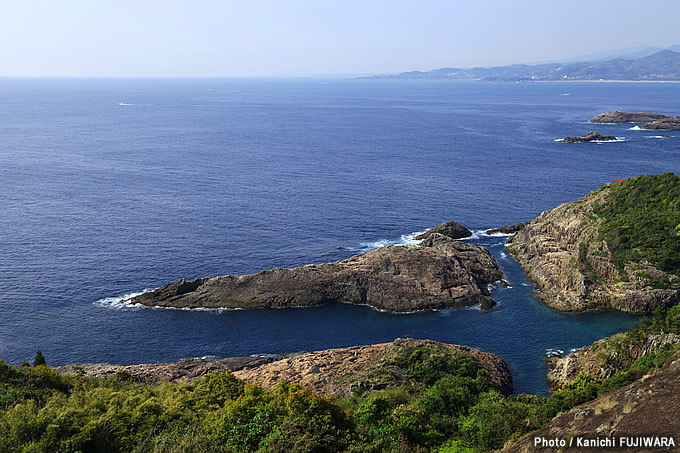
<point x="639" y="221"/>
<point x="433" y="399"/>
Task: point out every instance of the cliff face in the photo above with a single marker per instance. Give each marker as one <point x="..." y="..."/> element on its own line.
<point x="330" y="372"/>
<point x="566" y="253"/>
<point x="435" y="274"/>
<point x="593" y="359"/>
<point x="648" y="406"/>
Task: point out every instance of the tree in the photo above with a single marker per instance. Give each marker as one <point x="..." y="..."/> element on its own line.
<point x="39" y="359"/>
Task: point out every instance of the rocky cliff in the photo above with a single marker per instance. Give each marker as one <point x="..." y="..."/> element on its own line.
<point x="618" y="247"/>
<point x="600" y="358"/>
<point x="438" y="273"/>
<point x="647" y="407"/>
<point x="331" y="372"/>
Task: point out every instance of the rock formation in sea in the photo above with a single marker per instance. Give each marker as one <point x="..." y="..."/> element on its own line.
<point x="617" y="117"/>
<point x="647" y="407"/>
<point x="452" y="229"/>
<point x="330" y="372"/>
<point x="591" y="136"/>
<point x="665" y="124"/>
<point x="615" y="248"/>
<point x="438" y="273"/>
<point x="509" y="229"/>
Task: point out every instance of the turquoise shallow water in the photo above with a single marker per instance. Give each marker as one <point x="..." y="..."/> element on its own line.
<point x="113" y="186"/>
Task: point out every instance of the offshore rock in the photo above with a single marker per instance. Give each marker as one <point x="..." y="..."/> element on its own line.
<point x="438" y="273"/>
<point x="509" y="229"/>
<point x="617" y="117"/>
<point x="591" y="136"/>
<point x="665" y="124"/>
<point x="452" y="229"/>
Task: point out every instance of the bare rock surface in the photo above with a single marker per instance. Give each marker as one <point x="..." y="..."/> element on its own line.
<point x="452" y="229"/>
<point x="562" y="254"/>
<point x="331" y="372"/>
<point x="181" y="372"/>
<point x="438" y="273"/>
<point x="335" y="372"/>
<point x="648" y="407"/>
<point x="665" y="124"/>
<point x="591" y="359"/>
<point x="591" y="136"/>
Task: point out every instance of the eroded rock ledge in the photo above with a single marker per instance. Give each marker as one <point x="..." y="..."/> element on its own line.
<point x="331" y="372"/>
<point x="438" y="273"/>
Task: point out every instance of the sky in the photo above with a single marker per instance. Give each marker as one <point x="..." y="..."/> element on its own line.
<point x="180" y="38"/>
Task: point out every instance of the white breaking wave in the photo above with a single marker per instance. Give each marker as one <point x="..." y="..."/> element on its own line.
<point x="658" y="136"/>
<point x="404" y="239"/>
<point x="551" y="352"/>
<point x="635" y="128"/>
<point x="122" y="302"/>
<point x="123" y="103"/>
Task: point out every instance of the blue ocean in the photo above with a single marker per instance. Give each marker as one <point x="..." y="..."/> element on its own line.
<point x="112" y="186"/>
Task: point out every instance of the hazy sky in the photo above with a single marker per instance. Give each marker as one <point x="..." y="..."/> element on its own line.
<point x="297" y="37"/>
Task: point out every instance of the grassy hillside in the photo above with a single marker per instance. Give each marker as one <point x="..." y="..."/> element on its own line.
<point x="449" y="405"/>
<point x="641" y="221"/>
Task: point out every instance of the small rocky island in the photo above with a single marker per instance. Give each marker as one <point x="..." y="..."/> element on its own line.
<point x="591" y="136"/>
<point x="438" y="273"/>
<point x="653" y="121"/>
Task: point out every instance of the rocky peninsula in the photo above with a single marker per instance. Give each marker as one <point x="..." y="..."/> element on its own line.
<point x="591" y="136"/>
<point x="653" y="121"/>
<point x="330" y="372"/>
<point x="616" y="248"/>
<point x="438" y="273"/>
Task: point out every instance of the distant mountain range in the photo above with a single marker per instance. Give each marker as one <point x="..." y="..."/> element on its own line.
<point x="662" y="65"/>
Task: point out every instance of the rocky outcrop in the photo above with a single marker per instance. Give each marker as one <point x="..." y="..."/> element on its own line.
<point x="438" y="273"/>
<point x="665" y="124"/>
<point x="451" y="229"/>
<point x="617" y="117"/>
<point x="591" y="136"/>
<point x="648" y="407"/>
<point x="594" y="359"/>
<point x="562" y="252"/>
<point x="330" y="372"/>
<point x="335" y="372"/>
<point x="509" y="229"/>
<point x="182" y="372"/>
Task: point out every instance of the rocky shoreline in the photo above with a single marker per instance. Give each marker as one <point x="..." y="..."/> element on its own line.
<point x="438" y="273"/>
<point x="331" y="372"/>
<point x="562" y="253"/>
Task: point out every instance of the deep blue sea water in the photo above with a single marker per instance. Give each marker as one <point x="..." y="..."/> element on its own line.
<point x="109" y="187"/>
